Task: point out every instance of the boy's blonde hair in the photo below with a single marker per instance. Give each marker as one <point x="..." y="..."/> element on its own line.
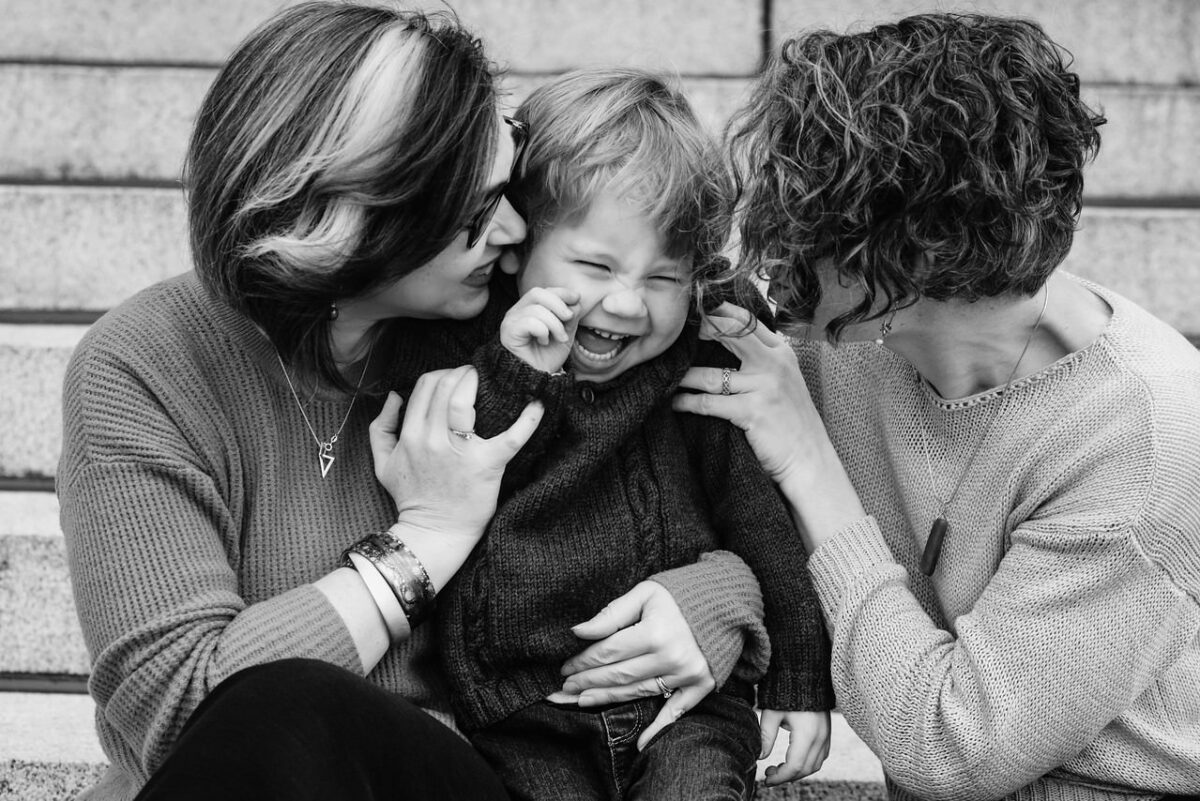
<point x="631" y="132"/>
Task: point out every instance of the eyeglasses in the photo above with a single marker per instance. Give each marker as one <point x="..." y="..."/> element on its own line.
<point x="480" y="220"/>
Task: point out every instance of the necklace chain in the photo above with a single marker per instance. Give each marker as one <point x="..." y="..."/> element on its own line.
<point x="325" y="455"/>
<point x="941" y="526"/>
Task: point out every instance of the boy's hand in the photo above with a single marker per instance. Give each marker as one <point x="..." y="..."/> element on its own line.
<point x="807" y="749"/>
<point x="540" y="327"/>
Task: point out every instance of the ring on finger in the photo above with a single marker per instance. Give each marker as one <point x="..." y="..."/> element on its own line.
<point x="725" y="373"/>
<point x="458" y="432"/>
<point x="666" y="691"/>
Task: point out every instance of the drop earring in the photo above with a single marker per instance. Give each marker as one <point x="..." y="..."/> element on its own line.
<point x="333" y="310"/>
<point x="885" y="328"/>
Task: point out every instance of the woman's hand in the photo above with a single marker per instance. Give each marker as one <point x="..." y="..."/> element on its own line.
<point x="443" y="479"/>
<point x="768" y="399"/>
<point x="807" y="748"/>
<point x="642" y="637"/>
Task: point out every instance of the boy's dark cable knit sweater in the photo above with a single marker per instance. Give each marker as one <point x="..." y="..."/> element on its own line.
<point x="614" y="487"/>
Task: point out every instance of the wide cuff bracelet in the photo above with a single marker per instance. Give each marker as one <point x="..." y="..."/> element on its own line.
<point x="403" y="572"/>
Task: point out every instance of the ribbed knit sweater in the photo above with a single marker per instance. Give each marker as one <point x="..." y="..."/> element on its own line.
<point x="615" y="486"/>
<point x="196" y="518"/>
<point x="1054" y="654"/>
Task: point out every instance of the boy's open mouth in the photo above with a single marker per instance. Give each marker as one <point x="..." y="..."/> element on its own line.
<point x="598" y="345"/>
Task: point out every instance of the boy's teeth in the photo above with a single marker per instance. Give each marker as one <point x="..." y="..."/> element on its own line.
<point x="606" y="334"/>
<point x="599" y="344"/>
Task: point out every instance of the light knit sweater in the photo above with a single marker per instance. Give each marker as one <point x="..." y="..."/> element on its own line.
<point x="196" y="519"/>
<point x="1054" y="653"/>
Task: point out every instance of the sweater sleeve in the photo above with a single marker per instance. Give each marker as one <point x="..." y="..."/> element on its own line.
<point x="154" y="580"/>
<point x="506" y="385"/>
<point x="1075" y="624"/>
<point x="754" y="523"/>
<point x="722" y="603"/>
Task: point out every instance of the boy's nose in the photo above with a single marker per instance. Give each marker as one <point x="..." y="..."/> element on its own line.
<point x="507" y="227"/>
<point x="624" y="302"/>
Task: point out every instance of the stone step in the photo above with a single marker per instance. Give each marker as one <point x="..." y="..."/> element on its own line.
<point x="95" y="246"/>
<point x="1113" y="41"/>
<point x="49" y="750"/>
<point x="33" y="359"/>
<point x="131" y="124"/>
<point x="39" y="632"/>
<point x="692" y="36"/>
<point x="107" y="124"/>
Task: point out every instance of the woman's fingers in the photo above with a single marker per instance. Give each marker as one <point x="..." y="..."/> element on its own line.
<point x="384" y="430"/>
<point x="672" y="710"/>
<point x="626" y="681"/>
<point x="619" y="613"/>
<point x="446" y="392"/>
<point x="504" y="446"/>
<point x="460" y="404"/>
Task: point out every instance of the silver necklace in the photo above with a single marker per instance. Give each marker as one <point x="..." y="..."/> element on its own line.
<point x="941" y="526"/>
<point x="325" y="447"/>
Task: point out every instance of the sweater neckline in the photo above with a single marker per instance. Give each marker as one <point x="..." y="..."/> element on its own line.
<point x="1116" y="322"/>
<point x="251" y="340"/>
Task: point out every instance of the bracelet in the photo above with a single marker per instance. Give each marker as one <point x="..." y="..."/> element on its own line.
<point x="405" y="575"/>
<point x="389" y="607"/>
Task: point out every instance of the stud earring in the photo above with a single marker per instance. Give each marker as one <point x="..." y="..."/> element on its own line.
<point x="333" y="310"/>
<point x="885" y="328"/>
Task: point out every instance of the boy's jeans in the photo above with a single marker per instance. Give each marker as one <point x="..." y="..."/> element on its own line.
<point x="547" y="751"/>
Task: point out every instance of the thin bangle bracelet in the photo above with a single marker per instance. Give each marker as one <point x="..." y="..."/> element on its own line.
<point x="389" y="607"/>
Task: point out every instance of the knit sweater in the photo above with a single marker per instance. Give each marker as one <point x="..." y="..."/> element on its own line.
<point x="1054" y="654"/>
<point x="196" y="518"/>
<point x="614" y="487"/>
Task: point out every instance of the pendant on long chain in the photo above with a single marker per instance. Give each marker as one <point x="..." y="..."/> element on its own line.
<point x="933" y="545"/>
<point x="327" y="458"/>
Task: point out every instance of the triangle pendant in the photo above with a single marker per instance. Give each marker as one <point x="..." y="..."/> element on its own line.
<point x="326" y="463"/>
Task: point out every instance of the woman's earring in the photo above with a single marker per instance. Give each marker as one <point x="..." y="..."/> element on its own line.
<point x="885" y="328"/>
<point x="333" y="310"/>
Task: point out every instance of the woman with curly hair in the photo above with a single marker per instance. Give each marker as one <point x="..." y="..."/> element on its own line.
<point x="996" y="465"/>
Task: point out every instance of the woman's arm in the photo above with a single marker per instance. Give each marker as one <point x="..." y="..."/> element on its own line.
<point x="673" y="626"/>
<point x="153" y="552"/>
<point x="444" y="487"/>
<point x="1074" y="625"/>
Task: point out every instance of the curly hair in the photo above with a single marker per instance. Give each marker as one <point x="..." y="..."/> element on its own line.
<point x="634" y="133"/>
<point x="341" y="147"/>
<point x="939" y="157"/>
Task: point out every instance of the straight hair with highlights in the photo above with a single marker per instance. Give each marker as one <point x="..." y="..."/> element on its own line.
<point x="937" y="157"/>
<point x="341" y="147"/>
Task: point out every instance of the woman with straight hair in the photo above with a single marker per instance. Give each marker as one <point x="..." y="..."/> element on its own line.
<point x="995" y="465"/>
<point x="252" y="557"/>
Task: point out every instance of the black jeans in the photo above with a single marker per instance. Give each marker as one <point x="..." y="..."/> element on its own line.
<point x="547" y="752"/>
<point x="300" y="729"/>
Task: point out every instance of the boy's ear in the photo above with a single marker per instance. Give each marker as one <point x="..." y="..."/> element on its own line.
<point x="510" y="264"/>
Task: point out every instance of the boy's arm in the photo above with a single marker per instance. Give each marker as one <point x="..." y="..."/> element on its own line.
<point x="753" y="522"/>
<point x="506" y="385"/>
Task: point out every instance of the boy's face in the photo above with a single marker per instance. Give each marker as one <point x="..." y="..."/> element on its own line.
<point x="634" y="299"/>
